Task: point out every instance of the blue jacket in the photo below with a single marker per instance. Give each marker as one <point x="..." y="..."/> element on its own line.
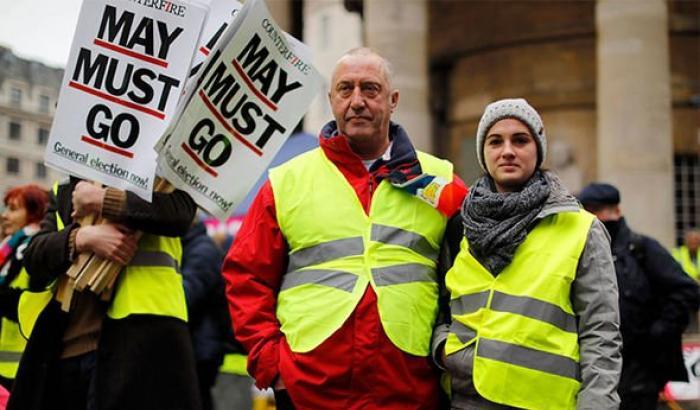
<point x="209" y="322"/>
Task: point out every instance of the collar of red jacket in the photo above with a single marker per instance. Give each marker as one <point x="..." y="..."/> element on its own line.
<point x="402" y="165"/>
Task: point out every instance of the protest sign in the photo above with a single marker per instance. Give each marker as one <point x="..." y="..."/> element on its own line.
<point x="220" y="17"/>
<point x="682" y="391"/>
<point x="126" y="70"/>
<point x="221" y="13"/>
<point x="252" y="91"/>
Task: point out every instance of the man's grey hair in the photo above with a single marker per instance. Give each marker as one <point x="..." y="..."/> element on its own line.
<point x="367" y="51"/>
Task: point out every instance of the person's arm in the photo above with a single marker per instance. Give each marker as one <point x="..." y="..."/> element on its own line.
<point x="253" y="272"/>
<point x="51" y="252"/>
<point x="168" y="214"/>
<point x="448" y="252"/>
<point x="595" y="303"/>
<point x="47" y="255"/>
<point x="678" y="292"/>
<point x="201" y="273"/>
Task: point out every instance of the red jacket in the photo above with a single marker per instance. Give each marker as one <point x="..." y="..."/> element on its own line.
<point x="358" y="367"/>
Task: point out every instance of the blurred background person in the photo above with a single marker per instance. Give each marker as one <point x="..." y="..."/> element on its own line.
<point x="209" y="321"/>
<point x="656" y="298"/>
<point x="24" y="208"/>
<point x="687" y="254"/>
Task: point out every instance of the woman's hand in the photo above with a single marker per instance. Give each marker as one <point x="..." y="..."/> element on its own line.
<point x="113" y="242"/>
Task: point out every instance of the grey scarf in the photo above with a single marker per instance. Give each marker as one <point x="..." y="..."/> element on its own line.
<point x="495" y="223"/>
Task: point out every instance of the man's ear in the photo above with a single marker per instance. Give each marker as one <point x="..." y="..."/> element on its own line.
<point x="394" y="100"/>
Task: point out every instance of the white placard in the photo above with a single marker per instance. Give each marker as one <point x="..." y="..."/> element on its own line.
<point x="255" y="86"/>
<point x="126" y="71"/>
<point x="220" y="18"/>
<point x="691" y="390"/>
<point x="221" y="14"/>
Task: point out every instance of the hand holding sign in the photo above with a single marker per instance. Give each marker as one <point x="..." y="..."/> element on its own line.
<point x="126" y="70"/>
<point x="87" y="200"/>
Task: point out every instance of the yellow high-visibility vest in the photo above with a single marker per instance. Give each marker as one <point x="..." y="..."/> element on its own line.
<point x="337" y="250"/>
<point x="150" y="284"/>
<point x="11" y="341"/>
<point x="234" y="363"/>
<point x="521" y="322"/>
<point x="682" y="255"/>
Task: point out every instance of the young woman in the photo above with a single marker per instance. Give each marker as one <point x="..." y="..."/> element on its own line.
<point x="24" y="208"/>
<point x="533" y="317"/>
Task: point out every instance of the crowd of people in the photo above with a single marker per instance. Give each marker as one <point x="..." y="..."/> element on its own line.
<point x="366" y="275"/>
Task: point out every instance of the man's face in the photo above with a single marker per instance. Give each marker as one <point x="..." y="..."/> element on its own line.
<point x="361" y="99"/>
<point x="692" y="240"/>
<point x="605" y="213"/>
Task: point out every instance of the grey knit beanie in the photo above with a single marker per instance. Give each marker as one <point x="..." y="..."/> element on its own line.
<point x="516" y="108"/>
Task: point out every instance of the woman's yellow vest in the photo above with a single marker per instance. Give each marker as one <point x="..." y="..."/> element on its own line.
<point x="521" y="321"/>
<point x="150" y="284"/>
<point x="11" y="341"/>
<point x="682" y="255"/>
<point x="336" y="250"/>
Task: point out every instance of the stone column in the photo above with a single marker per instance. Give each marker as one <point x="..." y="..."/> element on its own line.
<point x="399" y="30"/>
<point x="635" y="147"/>
<point x="281" y="11"/>
<point x="330" y="30"/>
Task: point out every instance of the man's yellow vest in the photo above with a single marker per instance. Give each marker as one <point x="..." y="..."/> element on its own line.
<point x="337" y="250"/>
<point x="682" y="255"/>
<point x="11" y="341"/>
<point x="521" y="321"/>
<point x="150" y="284"/>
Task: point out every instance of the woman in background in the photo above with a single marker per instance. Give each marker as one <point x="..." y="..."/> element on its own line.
<point x="25" y="206"/>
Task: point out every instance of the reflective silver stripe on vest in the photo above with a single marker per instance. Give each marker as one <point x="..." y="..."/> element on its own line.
<point x="406" y="273"/>
<point x="469" y="303"/>
<point x="463" y="333"/>
<point x="326" y="277"/>
<point x="527" y="357"/>
<point x="534" y="308"/>
<point x="10" y="356"/>
<point x="397" y="236"/>
<point x="326" y="251"/>
<point x="154" y="258"/>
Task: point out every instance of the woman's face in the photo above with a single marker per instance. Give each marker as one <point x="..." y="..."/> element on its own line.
<point x="510" y="153"/>
<point x="14" y="217"/>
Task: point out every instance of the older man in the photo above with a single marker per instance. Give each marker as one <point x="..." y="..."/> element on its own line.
<point x="331" y="281"/>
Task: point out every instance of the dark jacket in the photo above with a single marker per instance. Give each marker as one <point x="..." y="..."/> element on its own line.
<point x="209" y="321"/>
<point x="143" y="361"/>
<point x="656" y="298"/>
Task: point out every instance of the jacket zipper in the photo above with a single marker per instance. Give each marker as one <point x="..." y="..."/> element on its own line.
<point x="371" y="192"/>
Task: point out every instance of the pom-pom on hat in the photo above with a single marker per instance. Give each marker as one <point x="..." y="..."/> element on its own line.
<point x="516" y="108"/>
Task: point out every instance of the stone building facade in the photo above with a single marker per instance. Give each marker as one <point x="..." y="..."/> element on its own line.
<point x="28" y="95"/>
<point x="617" y="83"/>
